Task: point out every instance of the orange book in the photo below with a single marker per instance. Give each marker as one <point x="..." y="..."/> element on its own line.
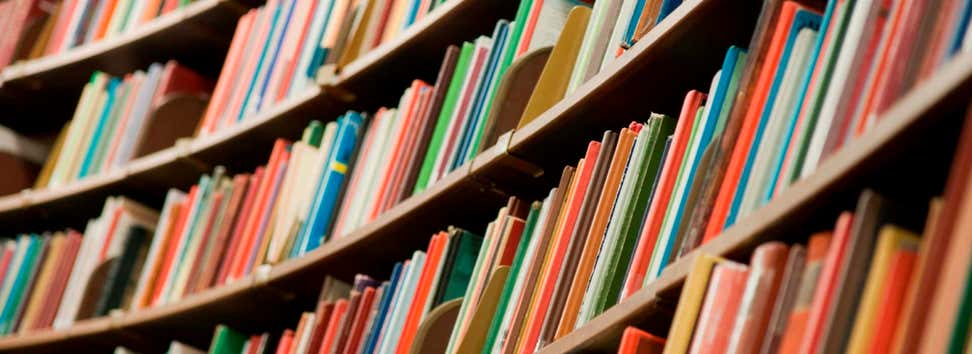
<point x="881" y="71"/>
<point x="417" y="308"/>
<point x="797" y="319"/>
<point x="595" y="235"/>
<point x="286" y="342"/>
<point x="744" y="142"/>
<point x="766" y="274"/>
<point x="249" y="242"/>
<point x="109" y="235"/>
<point x="151" y="11"/>
<point x="168" y="6"/>
<point x="719" y="309"/>
<point x="636" y="341"/>
<point x="155" y="268"/>
<point x="53" y="298"/>
<point x="173" y="244"/>
<point x="236" y="241"/>
<point x="823" y="297"/>
<point x="102" y="26"/>
<point x="217" y="104"/>
<point x="333" y="325"/>
<point x="60" y="28"/>
<point x="263" y="230"/>
<point x="556" y="258"/>
<point x="406" y="114"/>
<point x="892" y="297"/>
<point x="659" y="203"/>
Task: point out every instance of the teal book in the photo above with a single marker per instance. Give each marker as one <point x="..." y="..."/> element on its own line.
<point x="495" y="69"/>
<point x="458" y="269"/>
<point x="227" y="341"/>
<point x="99" y="132"/>
<point x="111" y="128"/>
<point x="43" y="249"/>
<point x="331" y="184"/>
<point x="19" y="283"/>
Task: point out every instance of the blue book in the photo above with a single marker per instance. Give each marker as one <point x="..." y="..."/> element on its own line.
<point x="721" y="97"/>
<point x="99" y="128"/>
<point x="254" y="81"/>
<point x="629" y="31"/>
<point x="19" y="283"/>
<point x="802" y="19"/>
<point x="412" y="14"/>
<point x="804" y="86"/>
<point x="332" y="180"/>
<point x="273" y="58"/>
<point x="475" y="119"/>
<point x="958" y="33"/>
<point x="383" y="304"/>
<point x="667" y="7"/>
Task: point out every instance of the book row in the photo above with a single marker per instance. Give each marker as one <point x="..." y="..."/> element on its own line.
<point x="278" y="48"/>
<point x="115" y="122"/>
<point x="37" y="28"/>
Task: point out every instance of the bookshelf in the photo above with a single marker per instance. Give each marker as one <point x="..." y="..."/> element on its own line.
<point x="918" y="132"/>
<point x="197" y="36"/>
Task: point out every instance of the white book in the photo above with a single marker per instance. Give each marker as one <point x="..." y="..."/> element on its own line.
<point x="184" y="238"/>
<point x="180" y="348"/>
<point x="617" y="35"/>
<point x="89" y="256"/>
<point x="367" y="170"/>
<point x="134" y="17"/>
<point x="74" y="26"/>
<point x="592" y="35"/>
<point x="289" y="50"/>
<point x="398" y="312"/>
<point x="839" y="86"/>
<point x="76" y="133"/>
<point x="550" y="22"/>
<point x="301" y="80"/>
<point x="151" y="266"/>
<point x="141" y="110"/>
<point x="280" y="27"/>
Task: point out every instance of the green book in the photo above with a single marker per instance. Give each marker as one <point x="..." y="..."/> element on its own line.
<point x="442" y="124"/>
<point x="518" y="259"/>
<point x="313" y="133"/>
<point x="121" y="271"/>
<point x="464" y="247"/>
<point x="960" y="334"/>
<point x="227" y="341"/>
<point x="659" y="128"/>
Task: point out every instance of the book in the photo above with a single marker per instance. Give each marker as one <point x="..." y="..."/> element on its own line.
<point x="636" y="341"/>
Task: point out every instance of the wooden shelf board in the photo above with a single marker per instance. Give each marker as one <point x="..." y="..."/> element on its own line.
<point x="784" y="217"/>
<point x="197" y="36"/>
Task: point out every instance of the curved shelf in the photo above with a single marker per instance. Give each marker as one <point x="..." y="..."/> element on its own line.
<point x="197" y="36"/>
<point x="248" y="144"/>
<point x="893" y="150"/>
<point x="290" y="286"/>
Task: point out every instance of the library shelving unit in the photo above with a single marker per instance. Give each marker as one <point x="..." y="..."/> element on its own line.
<point x="908" y="151"/>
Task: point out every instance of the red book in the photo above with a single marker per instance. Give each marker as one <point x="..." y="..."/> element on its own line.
<point x="666" y="183"/>
<point x="172" y="245"/>
<point x="19" y="18"/>
<point x="353" y="344"/>
<point x="322" y="316"/>
<point x="549" y="281"/>
<point x="258" y="38"/>
<point x="223" y="90"/>
<point x="168" y="6"/>
<point x="260" y="211"/>
<point x="719" y="309"/>
<point x="210" y="270"/>
<point x="636" y="341"/>
<point x="744" y="142"/>
<point x="286" y="342"/>
<point x="422" y="94"/>
<point x="60" y="27"/>
<point x="827" y="284"/>
<point x="879" y="73"/>
<point x="261" y="238"/>
<point x="417" y="308"/>
<point x="529" y="28"/>
<point x="179" y="79"/>
<point x="407" y="117"/>
<point x="236" y="240"/>
<point x="333" y="325"/>
<point x="767" y="266"/>
<point x="5" y="263"/>
<point x="892" y="298"/>
<point x="797" y="319"/>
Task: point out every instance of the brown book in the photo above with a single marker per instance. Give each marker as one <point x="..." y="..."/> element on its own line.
<point x="45" y="173"/>
<point x="31" y="285"/>
<point x="578" y="238"/>
<point x="44" y="36"/>
<point x="557" y="197"/>
<point x="207" y="276"/>
<point x="427" y="122"/>
<point x="42" y="287"/>
<point x="937" y="240"/>
<point x="785" y="298"/>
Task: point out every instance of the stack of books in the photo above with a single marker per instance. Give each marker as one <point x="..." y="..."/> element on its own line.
<point x="278" y="48"/>
<point x="35" y="28"/>
<point x="115" y="122"/>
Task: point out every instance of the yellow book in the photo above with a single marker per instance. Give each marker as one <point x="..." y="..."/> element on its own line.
<point x="353" y="48"/>
<point x="394" y="23"/>
<point x="482" y="316"/>
<point x="45" y="173"/>
<point x="555" y="76"/>
<point x="73" y="141"/>
<point x="890" y="240"/>
<point x="689" y="304"/>
<point x="37" y="297"/>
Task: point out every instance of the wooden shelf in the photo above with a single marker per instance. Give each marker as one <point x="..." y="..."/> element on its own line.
<point x="47" y="89"/>
<point x="906" y="155"/>
<point x="919" y="130"/>
<point x="248" y="144"/>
